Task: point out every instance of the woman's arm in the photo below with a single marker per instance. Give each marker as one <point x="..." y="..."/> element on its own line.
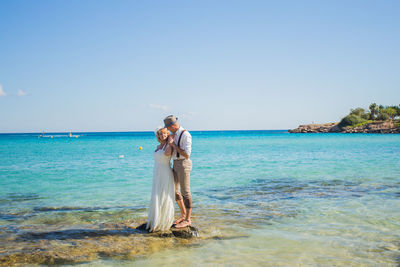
<point x="181" y="151"/>
<point x="157" y="148"/>
<point x="168" y="150"/>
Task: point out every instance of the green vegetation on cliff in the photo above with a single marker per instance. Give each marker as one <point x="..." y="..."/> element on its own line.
<point x="360" y="116"/>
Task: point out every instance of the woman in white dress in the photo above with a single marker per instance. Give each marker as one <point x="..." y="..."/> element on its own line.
<point x="161" y="212"/>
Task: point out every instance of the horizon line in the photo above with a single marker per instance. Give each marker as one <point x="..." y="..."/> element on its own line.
<point x="57" y="132"/>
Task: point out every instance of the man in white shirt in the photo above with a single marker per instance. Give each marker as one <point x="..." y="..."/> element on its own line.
<point x="182" y="147"/>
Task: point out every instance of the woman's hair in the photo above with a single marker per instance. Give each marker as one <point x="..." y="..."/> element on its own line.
<point x="159" y="131"/>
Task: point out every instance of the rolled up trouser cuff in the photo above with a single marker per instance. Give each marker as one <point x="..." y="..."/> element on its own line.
<point x="178" y="196"/>
<point x="187" y="202"/>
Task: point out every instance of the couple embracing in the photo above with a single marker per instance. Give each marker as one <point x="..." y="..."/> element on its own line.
<point x="168" y="182"/>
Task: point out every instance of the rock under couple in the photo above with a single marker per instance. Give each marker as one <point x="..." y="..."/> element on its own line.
<point x="168" y="181"/>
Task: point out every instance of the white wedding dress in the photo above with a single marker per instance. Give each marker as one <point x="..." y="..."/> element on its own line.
<point x="161" y="212"/>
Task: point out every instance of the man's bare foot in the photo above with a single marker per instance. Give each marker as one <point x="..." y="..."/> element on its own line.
<point x="181" y="219"/>
<point x="183" y="224"/>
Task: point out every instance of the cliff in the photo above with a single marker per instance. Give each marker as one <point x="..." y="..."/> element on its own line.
<point x="387" y="126"/>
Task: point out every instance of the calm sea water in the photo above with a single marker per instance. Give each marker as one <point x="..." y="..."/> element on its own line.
<point x="280" y="199"/>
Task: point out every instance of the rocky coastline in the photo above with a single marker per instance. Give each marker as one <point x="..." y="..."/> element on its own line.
<point x="387" y="126"/>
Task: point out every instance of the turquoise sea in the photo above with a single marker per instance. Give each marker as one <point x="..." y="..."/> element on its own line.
<point x="261" y="198"/>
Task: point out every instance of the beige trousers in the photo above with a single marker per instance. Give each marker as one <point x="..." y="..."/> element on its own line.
<point x="181" y="170"/>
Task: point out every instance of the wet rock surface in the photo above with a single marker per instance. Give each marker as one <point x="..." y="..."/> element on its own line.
<point x="32" y="245"/>
<point x="186" y="232"/>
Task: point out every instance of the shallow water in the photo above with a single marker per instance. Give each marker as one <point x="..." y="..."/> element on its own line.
<point x="260" y="198"/>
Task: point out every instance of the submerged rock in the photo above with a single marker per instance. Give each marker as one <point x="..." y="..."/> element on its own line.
<point x="85" y="243"/>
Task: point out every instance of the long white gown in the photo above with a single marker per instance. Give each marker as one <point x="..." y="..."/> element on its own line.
<point x="161" y="212"/>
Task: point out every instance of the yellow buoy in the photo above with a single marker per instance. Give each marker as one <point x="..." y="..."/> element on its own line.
<point x="140" y="148"/>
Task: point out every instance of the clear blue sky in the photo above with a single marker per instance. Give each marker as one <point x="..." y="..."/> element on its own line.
<point x="125" y="65"/>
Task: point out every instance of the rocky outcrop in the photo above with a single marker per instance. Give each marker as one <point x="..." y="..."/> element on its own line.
<point x="372" y="127"/>
<point x="375" y="127"/>
<point x="317" y="128"/>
